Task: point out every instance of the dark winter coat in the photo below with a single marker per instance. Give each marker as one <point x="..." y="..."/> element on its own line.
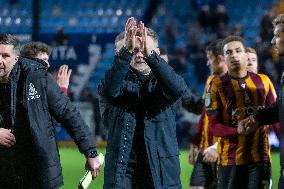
<point x="157" y="100"/>
<point x="34" y="97"/>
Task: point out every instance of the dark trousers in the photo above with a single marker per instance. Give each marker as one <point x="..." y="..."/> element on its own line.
<point x="251" y="176"/>
<point x="204" y="174"/>
<point x="18" y="183"/>
<point x="281" y="178"/>
<point x="138" y="174"/>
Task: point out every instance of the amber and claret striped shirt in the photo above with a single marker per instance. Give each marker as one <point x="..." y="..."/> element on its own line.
<point x="231" y="100"/>
<point x="203" y="138"/>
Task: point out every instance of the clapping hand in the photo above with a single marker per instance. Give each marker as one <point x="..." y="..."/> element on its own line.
<point x="130" y="34"/>
<point x="148" y="45"/>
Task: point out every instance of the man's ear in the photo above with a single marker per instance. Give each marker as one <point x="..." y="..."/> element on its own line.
<point x="17" y="58"/>
<point x="220" y="58"/>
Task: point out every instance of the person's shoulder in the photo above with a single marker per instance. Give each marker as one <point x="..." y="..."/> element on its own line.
<point x="217" y="79"/>
<point x="263" y="76"/>
<point x="30" y="64"/>
<point x="209" y="78"/>
<point x="32" y="68"/>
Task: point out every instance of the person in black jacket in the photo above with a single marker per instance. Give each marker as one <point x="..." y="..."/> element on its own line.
<point x="142" y="92"/>
<point x="29" y="98"/>
<point x="275" y="112"/>
<point x="39" y="50"/>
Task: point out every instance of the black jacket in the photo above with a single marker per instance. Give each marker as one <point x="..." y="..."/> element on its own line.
<point x="273" y="113"/>
<point x="34" y="97"/>
<point x="156" y="99"/>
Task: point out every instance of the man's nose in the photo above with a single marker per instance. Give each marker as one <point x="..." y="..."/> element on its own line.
<point x="233" y="54"/>
<point x="140" y="54"/>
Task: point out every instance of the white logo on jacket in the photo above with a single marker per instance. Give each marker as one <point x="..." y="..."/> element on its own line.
<point x="32" y="92"/>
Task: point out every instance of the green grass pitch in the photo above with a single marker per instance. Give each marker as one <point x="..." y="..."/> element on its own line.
<point x="73" y="164"/>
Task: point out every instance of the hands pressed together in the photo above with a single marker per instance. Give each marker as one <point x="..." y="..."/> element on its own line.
<point x="136" y="36"/>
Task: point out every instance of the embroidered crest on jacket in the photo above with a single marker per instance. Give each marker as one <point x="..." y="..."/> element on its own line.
<point x="32" y="92"/>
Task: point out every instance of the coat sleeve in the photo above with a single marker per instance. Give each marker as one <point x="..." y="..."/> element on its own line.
<point x="200" y="128"/>
<point x="67" y="114"/>
<point x="191" y="103"/>
<point x="268" y="115"/>
<point x="172" y="84"/>
<point x="270" y="99"/>
<point x="112" y="84"/>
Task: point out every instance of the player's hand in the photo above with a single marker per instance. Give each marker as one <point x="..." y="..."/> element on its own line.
<point x="193" y="152"/>
<point x="247" y="125"/>
<point x="93" y="164"/>
<point x="210" y="154"/>
<point x="63" y="76"/>
<point x="7" y="138"/>
<point x="130" y="33"/>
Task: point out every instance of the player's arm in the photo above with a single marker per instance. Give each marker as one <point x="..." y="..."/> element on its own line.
<point x="200" y="127"/>
<point x="214" y="109"/>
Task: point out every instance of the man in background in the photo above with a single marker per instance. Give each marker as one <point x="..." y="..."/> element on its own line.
<point x="204" y="146"/>
<point x="41" y="51"/>
<point x="244" y="161"/>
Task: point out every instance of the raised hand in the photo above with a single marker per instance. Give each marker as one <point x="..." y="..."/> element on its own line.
<point x="63" y="76"/>
<point x="149" y="44"/>
<point x="130" y="33"/>
<point x="143" y="31"/>
<point x="7" y="138"/>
